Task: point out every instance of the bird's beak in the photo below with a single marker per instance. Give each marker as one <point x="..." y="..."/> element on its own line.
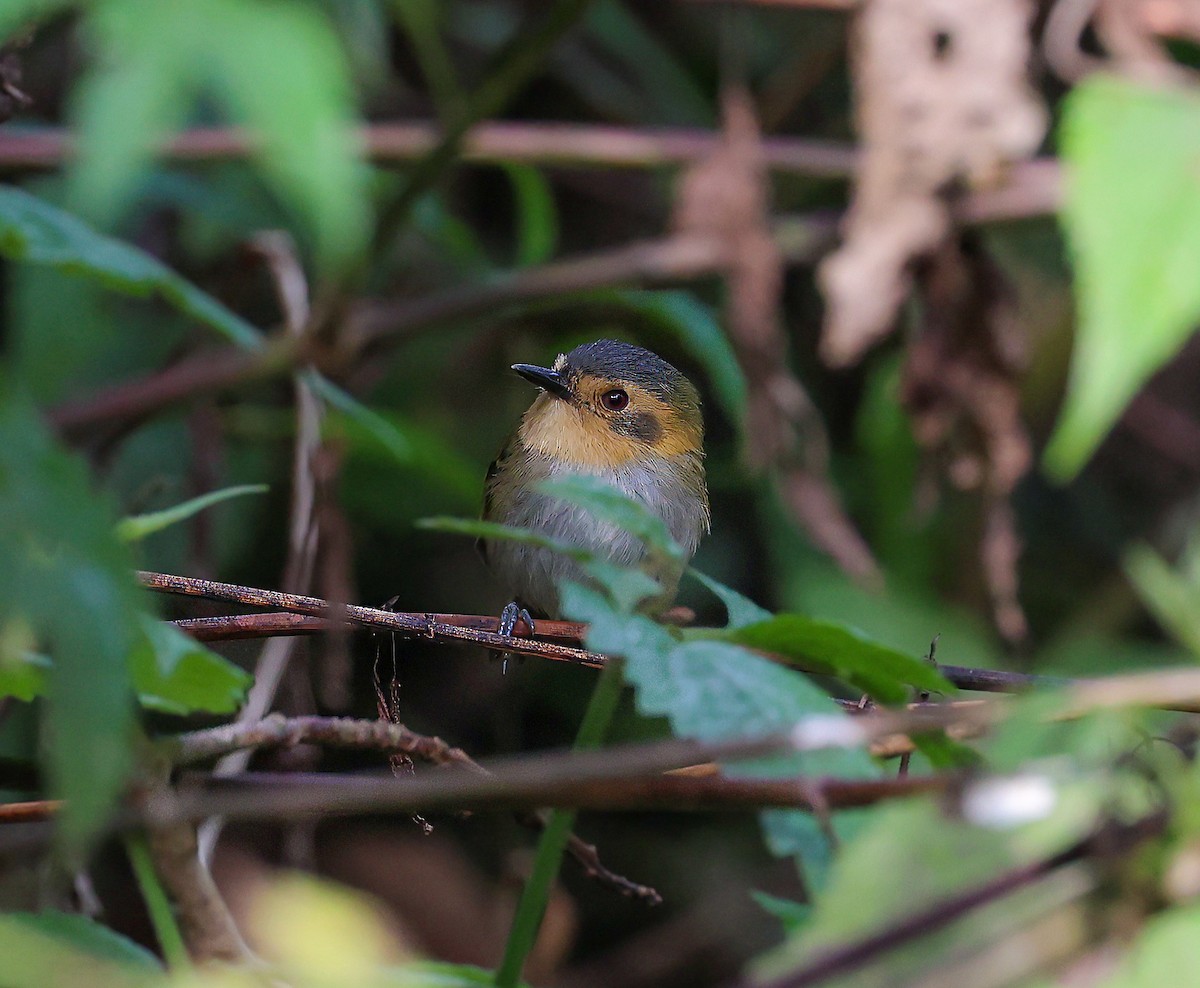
<point x="546" y="378"/>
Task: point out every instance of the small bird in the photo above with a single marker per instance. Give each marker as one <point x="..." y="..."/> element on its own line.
<point x="614" y="411"/>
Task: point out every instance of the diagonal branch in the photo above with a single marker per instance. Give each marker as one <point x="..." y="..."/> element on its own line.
<point x="543" y="778"/>
<point x="468" y="628"/>
<point x="1171" y="689"/>
<point x="409" y="625"/>
<point x="277" y="730"/>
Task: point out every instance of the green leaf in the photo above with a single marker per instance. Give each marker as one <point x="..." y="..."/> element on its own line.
<point x="82" y="933"/>
<point x="739" y="610"/>
<point x="896" y="842"/>
<point x="19" y="14"/>
<point x="158" y="904"/>
<point x="823" y="646"/>
<point x="480" y="529"/>
<point x="713" y="690"/>
<point x="277" y="69"/>
<point x="137" y="527"/>
<point x="22" y="670"/>
<point x="24" y="677"/>
<point x="39" y="952"/>
<point x="537" y="216"/>
<point x="663" y="81"/>
<point x="945" y="753"/>
<point x="402" y="441"/>
<point x="70" y="580"/>
<point x="171" y="672"/>
<point x="1172" y="600"/>
<point x="34" y="231"/>
<point x="626" y="587"/>
<point x="175" y="674"/>
<point x="697" y="327"/>
<point x="611" y="505"/>
<point x="792" y="914"/>
<point x="442" y="974"/>
<point x="1163" y="951"/>
<point x="420" y="20"/>
<point x="1132" y="215"/>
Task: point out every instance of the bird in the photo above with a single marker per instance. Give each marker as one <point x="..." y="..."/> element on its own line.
<point x="611" y="410"/>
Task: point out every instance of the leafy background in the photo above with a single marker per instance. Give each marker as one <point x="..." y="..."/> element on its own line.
<point x="161" y="343"/>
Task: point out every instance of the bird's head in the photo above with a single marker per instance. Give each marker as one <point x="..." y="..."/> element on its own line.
<point x="607" y="403"/>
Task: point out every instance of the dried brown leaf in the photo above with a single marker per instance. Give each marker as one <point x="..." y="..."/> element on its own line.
<point x="726" y="198"/>
<point x="942" y="101"/>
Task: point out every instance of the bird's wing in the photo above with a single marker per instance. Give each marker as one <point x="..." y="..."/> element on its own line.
<point x="489" y="483"/>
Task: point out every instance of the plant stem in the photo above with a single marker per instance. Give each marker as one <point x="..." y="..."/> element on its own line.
<point x="162" y="916"/>
<point x="532" y="905"/>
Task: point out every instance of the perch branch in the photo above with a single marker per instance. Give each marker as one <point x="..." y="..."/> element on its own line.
<point x="1177" y="690"/>
<point x="462" y="628"/>
<point x="410" y="625"/>
<point x="236" y="627"/>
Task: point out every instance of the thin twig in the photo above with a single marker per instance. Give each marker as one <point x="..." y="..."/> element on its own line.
<point x="277" y="730"/>
<point x="291" y="290"/>
<point x="238" y="627"/>
<point x="245" y="627"/>
<point x="668" y="792"/>
<point x="563" y="145"/>
<point x="466" y="628"/>
<point x="588" y="858"/>
<point x="31" y="811"/>
<point x="539" y="780"/>
<point x="206" y="372"/>
<point x="409" y="625"/>
<point x="1031" y="188"/>
<point x="1177" y="690"/>
<point x="642" y="262"/>
<point x="205" y="923"/>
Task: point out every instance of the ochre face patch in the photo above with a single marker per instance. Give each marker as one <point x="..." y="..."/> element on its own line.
<point x="599" y="430"/>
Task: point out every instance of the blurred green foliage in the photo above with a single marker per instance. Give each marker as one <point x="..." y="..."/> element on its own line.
<point x="133" y="261"/>
<point x="1134" y="225"/>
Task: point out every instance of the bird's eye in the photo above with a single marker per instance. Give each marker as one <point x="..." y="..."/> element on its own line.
<point x="614" y="400"/>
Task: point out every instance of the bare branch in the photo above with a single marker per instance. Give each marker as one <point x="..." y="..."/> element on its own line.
<point x="400" y="142"/>
<point x="1177" y="690"/>
<point x="380" y="735"/>
<point x="205" y="372"/>
<point x="544" y="778"/>
<point x="277" y="730"/>
<point x="409" y="625"/>
<point x="237" y="627"/>
<point x="207" y="928"/>
<point x="30" y="811"/>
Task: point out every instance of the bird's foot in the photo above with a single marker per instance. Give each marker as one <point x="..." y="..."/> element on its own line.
<point x="512" y="613"/>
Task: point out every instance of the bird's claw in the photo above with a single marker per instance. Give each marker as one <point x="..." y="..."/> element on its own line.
<point x="512" y="613"/>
